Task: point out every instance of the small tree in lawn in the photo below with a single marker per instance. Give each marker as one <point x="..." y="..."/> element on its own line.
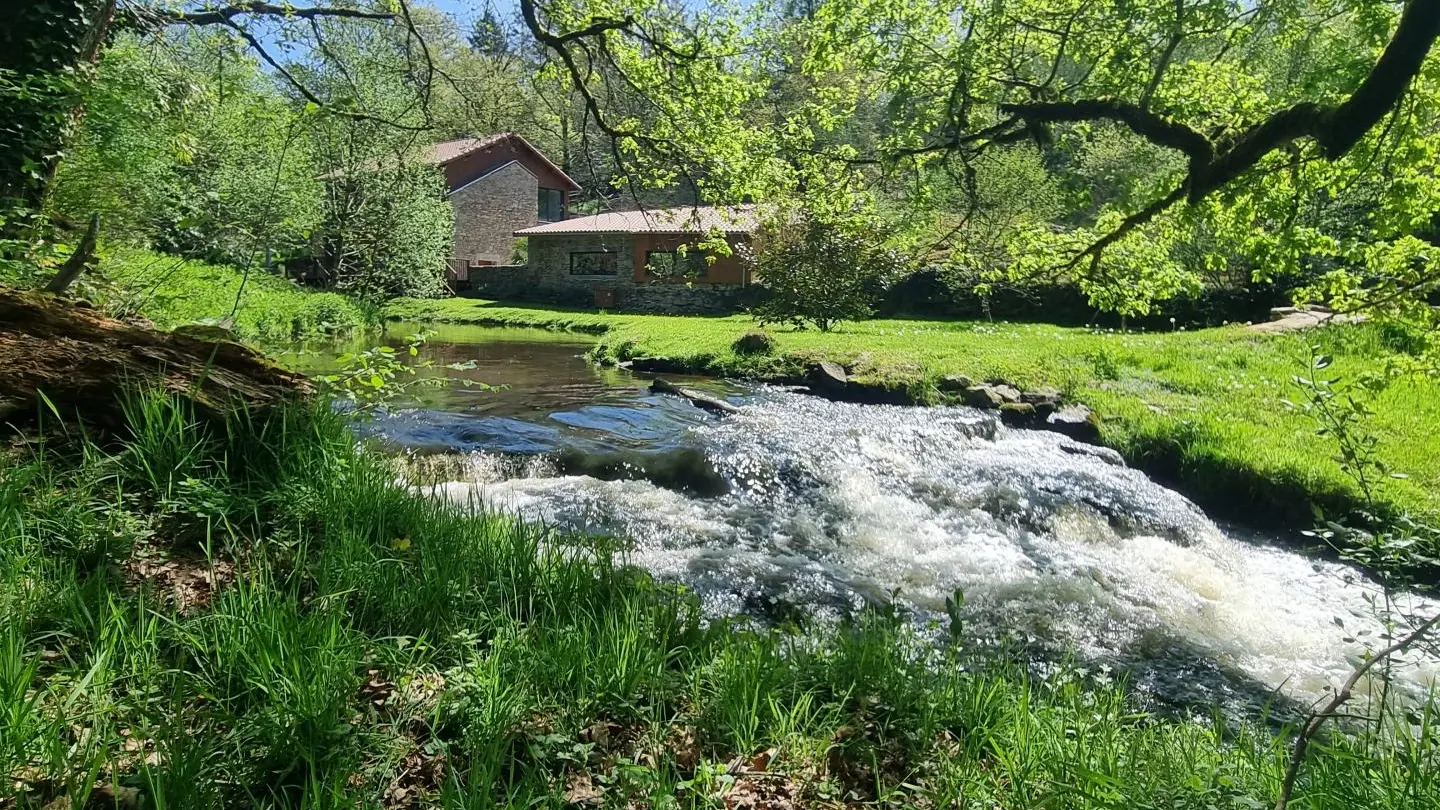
<point x="818" y="271"/>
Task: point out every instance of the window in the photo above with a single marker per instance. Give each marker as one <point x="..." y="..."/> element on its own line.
<point x="670" y="264"/>
<point x="552" y="205"/>
<point x="593" y="263"/>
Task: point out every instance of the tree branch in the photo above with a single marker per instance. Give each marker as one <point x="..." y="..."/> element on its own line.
<point x="306" y="92"/>
<point x="1171" y="43"/>
<point x="224" y="14"/>
<point x="1127" y="225"/>
<point x="1151" y="126"/>
<point x="593" y="29"/>
<point x="1386" y="83"/>
<point x="1336" y="128"/>
<point x="1302" y="742"/>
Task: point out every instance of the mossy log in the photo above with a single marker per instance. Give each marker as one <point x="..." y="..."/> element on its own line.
<point x="60" y="354"/>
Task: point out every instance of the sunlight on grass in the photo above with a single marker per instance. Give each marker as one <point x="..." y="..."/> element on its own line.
<point x="173" y="292"/>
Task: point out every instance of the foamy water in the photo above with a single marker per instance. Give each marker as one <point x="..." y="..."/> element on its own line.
<point x="832" y="505"/>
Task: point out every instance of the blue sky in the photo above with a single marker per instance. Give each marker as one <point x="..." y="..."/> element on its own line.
<point x="466" y="11"/>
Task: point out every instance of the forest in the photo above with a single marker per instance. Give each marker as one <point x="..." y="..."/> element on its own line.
<point x="223" y="585"/>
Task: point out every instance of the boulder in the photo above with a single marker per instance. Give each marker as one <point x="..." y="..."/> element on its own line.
<point x="1007" y="392"/>
<point x="1017" y="414"/>
<point x="953" y="383"/>
<point x="1104" y="454"/>
<point x="697" y="398"/>
<point x="981" y="396"/>
<point x="1076" y="421"/>
<point x="990" y="395"/>
<point x="827" y="377"/>
<point x="658" y="365"/>
<point x="1041" y="396"/>
<point x="873" y="393"/>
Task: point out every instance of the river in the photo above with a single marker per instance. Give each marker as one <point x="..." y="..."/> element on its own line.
<point x="800" y="506"/>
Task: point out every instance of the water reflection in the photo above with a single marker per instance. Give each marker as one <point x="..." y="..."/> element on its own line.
<point x="549" y="396"/>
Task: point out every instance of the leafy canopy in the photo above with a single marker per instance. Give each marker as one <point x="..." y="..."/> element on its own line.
<point x="1272" y="115"/>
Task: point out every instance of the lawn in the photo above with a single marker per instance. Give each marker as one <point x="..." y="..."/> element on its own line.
<point x="1206" y="410"/>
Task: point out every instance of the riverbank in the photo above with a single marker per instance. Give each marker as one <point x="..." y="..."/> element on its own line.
<point x="285" y="624"/>
<point x="259" y="307"/>
<point x="1205" y="411"/>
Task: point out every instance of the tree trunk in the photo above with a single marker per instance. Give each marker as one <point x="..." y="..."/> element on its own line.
<point x="78" y="261"/>
<point x="44" y="44"/>
<point x="57" y="354"/>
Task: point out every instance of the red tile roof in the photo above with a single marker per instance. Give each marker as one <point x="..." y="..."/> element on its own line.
<point x="448" y="151"/>
<point x="442" y="153"/>
<point x="686" y="220"/>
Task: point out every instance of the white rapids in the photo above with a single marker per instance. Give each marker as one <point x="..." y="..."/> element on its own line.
<point x="832" y="505"/>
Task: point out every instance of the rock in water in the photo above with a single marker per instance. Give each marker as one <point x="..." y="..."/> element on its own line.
<point x="1041" y="396"/>
<point x="953" y="383"/>
<point x="981" y="396"/>
<point x="827" y="377"/>
<point x="698" y="399"/>
<point x="1007" y="392"/>
<point x="1076" y="421"/>
<point x="1017" y="414"/>
<point x="657" y="365"/>
<point x="1104" y="454"/>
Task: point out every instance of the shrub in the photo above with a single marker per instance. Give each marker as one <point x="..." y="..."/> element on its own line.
<point x="821" y="271"/>
<point x="754" y="343"/>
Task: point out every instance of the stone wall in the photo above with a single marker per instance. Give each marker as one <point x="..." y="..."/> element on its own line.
<point x="505" y="281"/>
<point x="671" y="298"/>
<point x="490" y="210"/>
<point x="550" y="257"/>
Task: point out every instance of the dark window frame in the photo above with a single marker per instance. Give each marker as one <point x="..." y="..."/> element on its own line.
<point x="694" y="260"/>
<point x="614" y="262"/>
<point x="550" y="205"/>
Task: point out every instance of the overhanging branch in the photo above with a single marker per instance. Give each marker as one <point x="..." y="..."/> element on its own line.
<point x="1149" y="125"/>
<point x="224" y="14"/>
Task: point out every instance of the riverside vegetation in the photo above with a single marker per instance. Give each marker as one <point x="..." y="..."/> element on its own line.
<point x="251" y="610"/>
<point x="256" y="612"/>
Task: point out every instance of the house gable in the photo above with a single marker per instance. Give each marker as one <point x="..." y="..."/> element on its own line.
<point x="496" y="186"/>
<point x="466" y="161"/>
<point x="488" y="211"/>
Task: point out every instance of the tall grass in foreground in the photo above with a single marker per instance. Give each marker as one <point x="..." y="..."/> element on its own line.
<point x="256" y="614"/>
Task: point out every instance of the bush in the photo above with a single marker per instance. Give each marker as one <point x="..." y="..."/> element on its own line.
<point x="754" y="343"/>
<point x="820" y="272"/>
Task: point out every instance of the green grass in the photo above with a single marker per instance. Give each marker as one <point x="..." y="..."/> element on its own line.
<point x="175" y="292"/>
<point x="1206" y="410"/>
<point x="256" y="613"/>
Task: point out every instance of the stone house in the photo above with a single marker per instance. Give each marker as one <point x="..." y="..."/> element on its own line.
<point x="630" y="261"/>
<point x="498" y="185"/>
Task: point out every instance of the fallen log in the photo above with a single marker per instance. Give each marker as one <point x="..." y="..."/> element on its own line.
<point x="699" y="400"/>
<point x="61" y="354"/>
